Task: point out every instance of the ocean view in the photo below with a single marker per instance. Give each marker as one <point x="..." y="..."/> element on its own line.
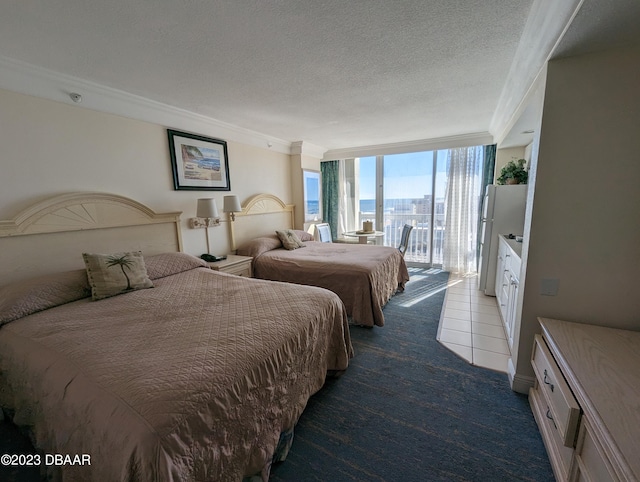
<point x="313" y="207"/>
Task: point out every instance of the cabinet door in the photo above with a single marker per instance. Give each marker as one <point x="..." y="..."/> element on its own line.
<point x="502" y="278"/>
<point x="512" y="298"/>
<point x="499" y="268"/>
<point x="591" y="462"/>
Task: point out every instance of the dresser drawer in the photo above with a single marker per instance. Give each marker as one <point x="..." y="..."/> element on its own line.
<point x="559" y="455"/>
<point x="563" y="407"/>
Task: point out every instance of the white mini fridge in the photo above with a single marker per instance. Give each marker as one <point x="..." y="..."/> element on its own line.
<point x="503" y="213"/>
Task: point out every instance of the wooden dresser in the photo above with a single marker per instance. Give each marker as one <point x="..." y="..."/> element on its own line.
<point x="586" y="400"/>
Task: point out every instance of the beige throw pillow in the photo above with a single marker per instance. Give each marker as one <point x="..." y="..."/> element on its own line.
<point x="114" y="274"/>
<point x="289" y="239"/>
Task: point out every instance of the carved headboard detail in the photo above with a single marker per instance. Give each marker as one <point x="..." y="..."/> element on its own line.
<point x="51" y="235"/>
<point x="261" y="214"/>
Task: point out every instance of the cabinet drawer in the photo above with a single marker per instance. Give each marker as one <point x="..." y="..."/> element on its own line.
<point x="563" y="407"/>
<point x="559" y="455"/>
<point x="240" y="270"/>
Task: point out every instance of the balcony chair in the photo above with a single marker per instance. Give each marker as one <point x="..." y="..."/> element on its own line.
<point x="324" y="233"/>
<point x="404" y="239"/>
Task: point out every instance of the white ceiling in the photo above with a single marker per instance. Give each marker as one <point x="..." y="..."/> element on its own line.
<point x="333" y="73"/>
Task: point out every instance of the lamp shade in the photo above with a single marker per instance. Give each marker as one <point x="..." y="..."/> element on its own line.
<point x="231" y="204"/>
<point x="207" y="208"/>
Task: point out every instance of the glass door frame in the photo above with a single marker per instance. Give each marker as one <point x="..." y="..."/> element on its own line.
<point x="379" y="203"/>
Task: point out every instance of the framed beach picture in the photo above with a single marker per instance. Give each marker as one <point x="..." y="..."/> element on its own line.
<point x="199" y="163"/>
<point x="312" y="195"/>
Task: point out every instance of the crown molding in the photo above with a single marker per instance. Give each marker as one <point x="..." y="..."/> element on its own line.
<point x="307" y="149"/>
<point x="32" y="80"/>
<point x="546" y="25"/>
<point x="465" y="140"/>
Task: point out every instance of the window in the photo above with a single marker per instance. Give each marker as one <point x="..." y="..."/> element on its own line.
<point x="312" y="205"/>
<point x="412" y="188"/>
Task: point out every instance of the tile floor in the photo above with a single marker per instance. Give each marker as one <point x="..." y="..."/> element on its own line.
<point x="471" y="327"/>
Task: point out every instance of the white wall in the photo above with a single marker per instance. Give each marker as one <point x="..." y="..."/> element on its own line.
<point x="503" y="156"/>
<point x="301" y="160"/>
<point x="585" y="217"/>
<point x="47" y="148"/>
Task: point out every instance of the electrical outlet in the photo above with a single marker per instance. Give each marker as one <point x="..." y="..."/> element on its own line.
<point x="549" y="286"/>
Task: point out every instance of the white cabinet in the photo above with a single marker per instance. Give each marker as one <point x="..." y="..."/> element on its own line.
<point x="501" y="268"/>
<point x="512" y="299"/>
<point x="585" y="400"/>
<point x="507" y="284"/>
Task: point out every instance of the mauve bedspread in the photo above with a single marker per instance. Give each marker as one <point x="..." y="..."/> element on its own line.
<point x="364" y="277"/>
<point x="194" y="379"/>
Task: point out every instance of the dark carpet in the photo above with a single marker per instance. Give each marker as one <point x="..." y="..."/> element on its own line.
<point x="407" y="409"/>
<point x="12" y="441"/>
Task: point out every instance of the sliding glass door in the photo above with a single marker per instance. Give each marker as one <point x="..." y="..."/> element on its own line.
<point x="404" y="189"/>
<point x="408" y="199"/>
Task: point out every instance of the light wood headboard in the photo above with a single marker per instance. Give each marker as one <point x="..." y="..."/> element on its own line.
<point x="261" y="214"/>
<point x="51" y="235"/>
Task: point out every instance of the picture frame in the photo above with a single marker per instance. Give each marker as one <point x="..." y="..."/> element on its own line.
<point x="312" y="188"/>
<point x="199" y="163"/>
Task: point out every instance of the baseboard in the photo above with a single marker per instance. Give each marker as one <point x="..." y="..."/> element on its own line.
<point x="519" y="383"/>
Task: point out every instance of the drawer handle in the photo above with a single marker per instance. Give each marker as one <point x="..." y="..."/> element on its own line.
<point x="546" y="382"/>
<point x="550" y="417"/>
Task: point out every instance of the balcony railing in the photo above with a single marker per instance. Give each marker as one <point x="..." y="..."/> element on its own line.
<point x="418" y="249"/>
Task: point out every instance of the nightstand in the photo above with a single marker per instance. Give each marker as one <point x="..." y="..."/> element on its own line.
<point x="234" y="264"/>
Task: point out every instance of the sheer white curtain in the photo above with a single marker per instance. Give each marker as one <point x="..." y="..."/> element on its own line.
<point x="462" y="202"/>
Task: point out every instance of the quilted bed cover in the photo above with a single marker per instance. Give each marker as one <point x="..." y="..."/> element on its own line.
<point x="364" y="277"/>
<point x="194" y="379"/>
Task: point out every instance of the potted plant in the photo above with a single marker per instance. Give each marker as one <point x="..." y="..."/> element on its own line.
<point x="514" y="173"/>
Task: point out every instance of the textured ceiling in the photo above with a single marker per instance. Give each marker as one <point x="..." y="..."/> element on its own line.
<point x="333" y="73"/>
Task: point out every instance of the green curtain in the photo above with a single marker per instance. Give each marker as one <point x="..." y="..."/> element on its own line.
<point x="489" y="166"/>
<point x="488" y="171"/>
<point x="330" y="172"/>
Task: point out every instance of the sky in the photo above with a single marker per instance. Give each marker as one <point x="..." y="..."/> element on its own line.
<point x="406" y="175"/>
<point x="312" y="185"/>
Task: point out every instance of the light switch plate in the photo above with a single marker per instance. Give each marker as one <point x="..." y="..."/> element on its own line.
<point x="549" y="286"/>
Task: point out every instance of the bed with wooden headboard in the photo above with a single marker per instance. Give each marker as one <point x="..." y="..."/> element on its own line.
<point x="259" y="215"/>
<point x="365" y="277"/>
<point x="49" y="236"/>
<point x="192" y="375"/>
